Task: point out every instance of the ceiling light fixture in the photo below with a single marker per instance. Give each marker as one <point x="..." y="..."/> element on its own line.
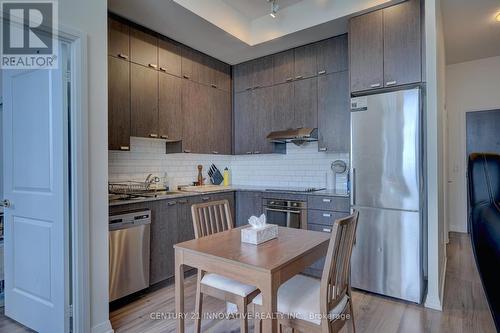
<point x="274" y="8"/>
<point x="498" y="17"/>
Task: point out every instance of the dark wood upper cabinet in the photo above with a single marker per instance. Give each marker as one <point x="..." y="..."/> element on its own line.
<point x="143" y="48"/>
<point x="306" y="103"/>
<point x="283" y="69"/>
<point x="118" y="104"/>
<point x="118" y="39"/>
<point x="305" y="64"/>
<point x="402" y="44"/>
<point x="263" y="108"/>
<point x="282" y="110"/>
<point x="223" y="76"/>
<point x="240" y="77"/>
<point x="262" y="70"/>
<point x="220" y="122"/>
<point x="169" y="57"/>
<point x="144" y="101"/>
<point x="191" y="63"/>
<point x="196" y="117"/>
<point x="169" y="107"/>
<point x="244" y="123"/>
<point x="366" y="51"/>
<point x="334" y="112"/>
<point x="333" y="55"/>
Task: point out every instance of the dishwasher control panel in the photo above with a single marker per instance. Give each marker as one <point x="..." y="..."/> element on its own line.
<point x="129" y="218"/>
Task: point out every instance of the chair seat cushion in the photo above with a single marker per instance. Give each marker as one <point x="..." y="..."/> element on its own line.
<point x="223" y="283"/>
<point x="300" y="296"/>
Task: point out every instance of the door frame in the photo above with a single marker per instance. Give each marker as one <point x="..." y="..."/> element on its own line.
<point x="79" y="181"/>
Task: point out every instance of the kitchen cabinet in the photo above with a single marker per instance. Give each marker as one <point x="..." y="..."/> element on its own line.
<point x="402" y="44"/>
<point x="262" y="110"/>
<point x="169" y="57"/>
<point x="240" y="73"/>
<point x="282" y="109"/>
<point x="334" y="112"/>
<point x="248" y="203"/>
<point x="223" y="76"/>
<point x="305" y="63"/>
<point x="191" y="64"/>
<point x="332" y="55"/>
<point x="254" y="74"/>
<point x="118" y="39"/>
<point x="244" y="127"/>
<point x="170" y="117"/>
<point x="118" y="104"/>
<point x="366" y="49"/>
<point x="196" y="117"/>
<point x="306" y="103"/>
<point x="185" y="229"/>
<point x="143" y="48"/>
<point x="220" y="122"/>
<point x="283" y="67"/>
<point x="144" y="101"/>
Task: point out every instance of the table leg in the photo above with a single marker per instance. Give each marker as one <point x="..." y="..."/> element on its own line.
<point x="270" y="305"/>
<point x="179" y="291"/>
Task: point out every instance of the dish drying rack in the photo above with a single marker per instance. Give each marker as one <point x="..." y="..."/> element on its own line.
<point x="129" y="187"/>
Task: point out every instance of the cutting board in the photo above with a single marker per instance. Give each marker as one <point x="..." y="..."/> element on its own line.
<point x="203" y="188"/>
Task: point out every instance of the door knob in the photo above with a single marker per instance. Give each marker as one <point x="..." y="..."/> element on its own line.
<point x="5" y="203"/>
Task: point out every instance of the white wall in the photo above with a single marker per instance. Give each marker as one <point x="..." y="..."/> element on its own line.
<point x="301" y="167"/>
<point x="90" y="17"/>
<point x="435" y="112"/>
<point x="471" y="86"/>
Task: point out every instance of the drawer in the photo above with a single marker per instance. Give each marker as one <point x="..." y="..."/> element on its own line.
<point x="320" y="202"/>
<point x="324" y="217"/>
<point x="319" y="227"/>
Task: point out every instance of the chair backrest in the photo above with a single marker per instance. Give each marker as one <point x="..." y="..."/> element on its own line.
<point x="335" y="282"/>
<point x="211" y="217"/>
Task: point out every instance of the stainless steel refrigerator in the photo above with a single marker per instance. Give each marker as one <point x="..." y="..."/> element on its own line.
<point x="387" y="189"/>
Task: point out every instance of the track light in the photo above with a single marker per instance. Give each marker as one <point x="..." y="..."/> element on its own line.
<point x="274" y="8"/>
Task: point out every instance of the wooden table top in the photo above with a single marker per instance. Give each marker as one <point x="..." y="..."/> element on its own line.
<point x="269" y="256"/>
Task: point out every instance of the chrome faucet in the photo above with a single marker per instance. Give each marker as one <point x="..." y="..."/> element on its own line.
<point x="150" y="179"/>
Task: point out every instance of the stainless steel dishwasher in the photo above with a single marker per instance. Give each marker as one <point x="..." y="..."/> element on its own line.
<point x="128" y="252"/>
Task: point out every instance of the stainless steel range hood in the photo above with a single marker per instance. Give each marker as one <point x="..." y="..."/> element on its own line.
<point x="298" y="136"/>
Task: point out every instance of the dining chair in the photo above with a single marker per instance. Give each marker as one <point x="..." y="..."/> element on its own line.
<point x="210" y="218"/>
<point x="308" y="304"/>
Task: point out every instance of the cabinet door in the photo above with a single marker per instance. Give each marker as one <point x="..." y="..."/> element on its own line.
<point x="144" y="101"/>
<point x="223" y="76"/>
<point x="185" y="229"/>
<point x="306" y="103"/>
<point x="242" y="77"/>
<point x="221" y="122"/>
<point x="402" y="44"/>
<point x="366" y="43"/>
<point x="163" y="237"/>
<point x="244" y="123"/>
<point x="283" y="67"/>
<point x="282" y="113"/>
<point x="207" y="70"/>
<point x="247" y="204"/>
<point x="305" y="61"/>
<point x="263" y="113"/>
<point x="262" y="72"/>
<point x="196" y="116"/>
<point x="191" y="63"/>
<point x="170" y="117"/>
<point x="118" y="39"/>
<point x="333" y="55"/>
<point x="169" y="56"/>
<point x="334" y="112"/>
<point x="118" y="104"/>
<point x="143" y="48"/>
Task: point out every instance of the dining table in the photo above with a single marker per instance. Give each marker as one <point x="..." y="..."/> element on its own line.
<point x="265" y="266"/>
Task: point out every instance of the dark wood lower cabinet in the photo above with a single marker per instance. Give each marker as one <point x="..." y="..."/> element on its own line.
<point x="248" y="203"/>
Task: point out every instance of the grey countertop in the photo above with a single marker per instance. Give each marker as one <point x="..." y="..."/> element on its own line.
<point x="182" y="194"/>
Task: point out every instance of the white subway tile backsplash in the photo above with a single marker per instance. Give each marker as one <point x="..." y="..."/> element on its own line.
<point x="302" y="166"/>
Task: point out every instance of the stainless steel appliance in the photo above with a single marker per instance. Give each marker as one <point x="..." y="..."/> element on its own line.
<point x="298" y="136"/>
<point x="128" y="253"/>
<point x="286" y="213"/>
<point x="295" y="189"/>
<point x="387" y="189"/>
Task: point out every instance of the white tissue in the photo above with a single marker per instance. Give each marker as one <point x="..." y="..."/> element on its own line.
<point x="257" y="222"/>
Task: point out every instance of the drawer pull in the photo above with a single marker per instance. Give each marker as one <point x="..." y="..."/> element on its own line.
<point x="327" y="200"/>
<point x="214" y="85"/>
<point x="187" y="150"/>
<point x="185" y="76"/>
<point x="164" y="137"/>
<point x="248" y="152"/>
<point x="153" y="66"/>
<point x="123" y="56"/>
<point x="375" y="85"/>
<point x="182" y="202"/>
<point x="327" y="230"/>
<point x="124" y="148"/>
<point x="215" y="152"/>
<point x="153" y="135"/>
<point x="322" y="72"/>
<point x="163" y="69"/>
<point x="288" y="79"/>
<point x="327" y="215"/>
<point x="323" y="149"/>
<point x="256" y="152"/>
<point x="391" y="83"/>
<point x="205" y="198"/>
<point x="172" y="203"/>
<point x="298" y="77"/>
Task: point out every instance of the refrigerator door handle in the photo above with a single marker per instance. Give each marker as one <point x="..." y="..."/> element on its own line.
<point x="353" y="192"/>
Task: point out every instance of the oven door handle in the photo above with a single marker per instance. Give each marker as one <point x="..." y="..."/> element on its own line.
<point x="283" y="210"/>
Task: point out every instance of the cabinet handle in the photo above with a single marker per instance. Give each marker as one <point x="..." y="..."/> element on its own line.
<point x="182" y="202"/>
<point x="298" y="77"/>
<point x="256" y="152"/>
<point x="256" y="87"/>
<point x="327" y="200"/>
<point x="185" y="76"/>
<point x="164" y="137"/>
<point x="163" y="69"/>
<point x="323" y="149"/>
<point x="215" y="152"/>
<point x="124" y="148"/>
<point x="187" y="150"/>
<point x="152" y="135"/>
<point x="172" y="203"/>
<point x="123" y="56"/>
<point x="248" y="152"/>
<point x="205" y="198"/>
<point x="327" y="215"/>
<point x="214" y="85"/>
<point x="391" y="83"/>
<point x="153" y="66"/>
<point x="321" y="72"/>
<point x="375" y="85"/>
<point x="327" y="230"/>
<point x="249" y="88"/>
<point x="288" y="79"/>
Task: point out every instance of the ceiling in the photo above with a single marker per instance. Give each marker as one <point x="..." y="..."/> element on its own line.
<point x="470" y="29"/>
<point x="235" y="31"/>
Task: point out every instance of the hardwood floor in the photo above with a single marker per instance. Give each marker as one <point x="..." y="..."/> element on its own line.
<point x="465" y="308"/>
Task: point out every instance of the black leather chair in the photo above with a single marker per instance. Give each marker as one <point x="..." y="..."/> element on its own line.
<point x="484" y="222"/>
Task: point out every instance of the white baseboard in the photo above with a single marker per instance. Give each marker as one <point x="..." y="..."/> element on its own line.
<point x="436" y="303"/>
<point x="104" y="327"/>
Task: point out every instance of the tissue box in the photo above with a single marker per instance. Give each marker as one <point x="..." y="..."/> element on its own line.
<point x="257" y="236"/>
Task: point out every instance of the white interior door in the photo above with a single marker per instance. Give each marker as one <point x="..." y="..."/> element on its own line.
<point x="36" y="186"/>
